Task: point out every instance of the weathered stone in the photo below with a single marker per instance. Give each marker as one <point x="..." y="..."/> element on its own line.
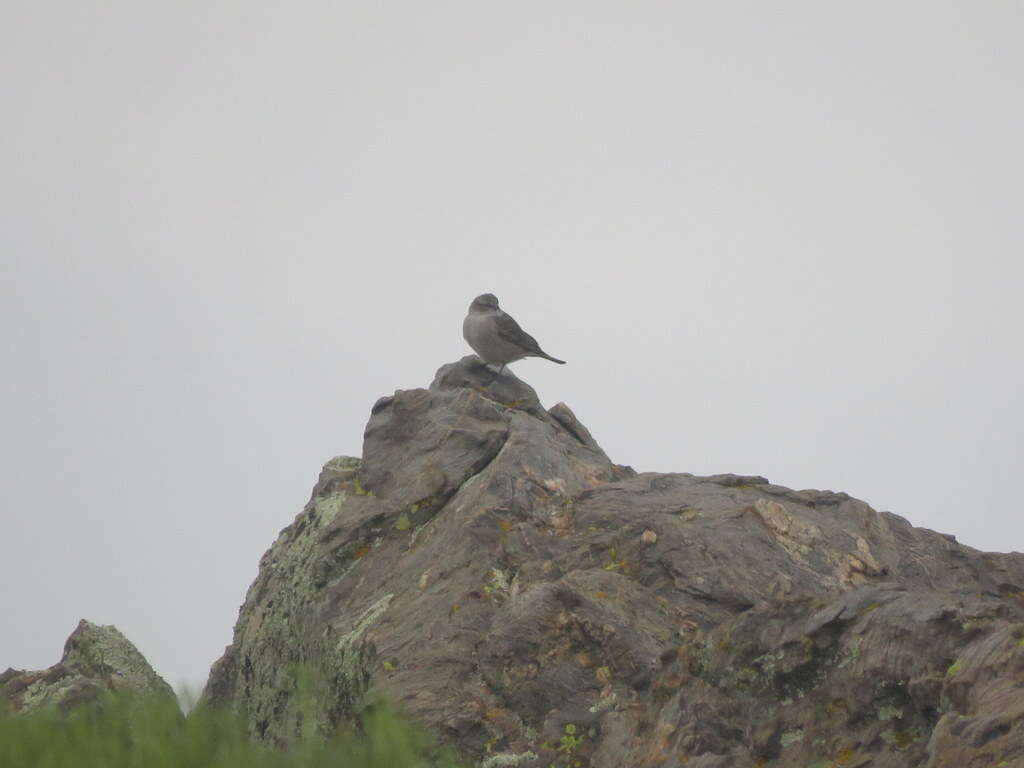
<point x="488" y="567"/>
<point x="96" y="659"/>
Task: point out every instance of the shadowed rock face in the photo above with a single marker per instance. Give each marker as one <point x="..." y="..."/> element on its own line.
<point x="487" y="566"/>
<point x="96" y="659"/>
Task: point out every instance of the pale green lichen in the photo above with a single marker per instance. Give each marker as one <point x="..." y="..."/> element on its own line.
<point x="328" y="507"/>
<point x="850" y="654"/>
<point x="369" y="617"/>
<point x="604" y="704"/>
<point x="97" y="655"/>
<point x="349" y="667"/>
<point x="40" y="694"/>
<point x="273" y="629"/>
<point x="793" y="736"/>
<point x="953" y="668"/>
<point x="890" y="713"/>
<point x="768" y="662"/>
<point x="497" y="582"/>
<point x="342" y="463"/>
<point x="504" y="759"/>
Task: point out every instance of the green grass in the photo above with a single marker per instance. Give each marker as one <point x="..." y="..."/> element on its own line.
<point x="152" y="733"/>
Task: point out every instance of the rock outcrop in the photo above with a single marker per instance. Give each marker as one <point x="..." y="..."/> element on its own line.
<point x="485" y="565"/>
<point x="96" y="659"/>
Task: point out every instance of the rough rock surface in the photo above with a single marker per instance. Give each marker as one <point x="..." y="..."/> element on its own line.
<point x="96" y="659"/>
<point x="487" y="566"/>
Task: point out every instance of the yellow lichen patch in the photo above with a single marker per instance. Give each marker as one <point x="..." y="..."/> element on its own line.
<point x="835" y="706"/>
<point x="603" y="675"/>
<point x="747" y="675"/>
<point x="953" y="668"/>
<point x="402" y="524"/>
<point x="493" y="714"/>
<point x="570" y="741"/>
<point x="599" y="595"/>
<point x="844" y="756"/>
<point x="583" y="659"/>
<point x="615" y="564"/>
<point x="899" y="739"/>
<point x="360" y="553"/>
<point x="505" y="525"/>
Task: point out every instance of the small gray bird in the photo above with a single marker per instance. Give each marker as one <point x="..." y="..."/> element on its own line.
<point x="496" y="337"/>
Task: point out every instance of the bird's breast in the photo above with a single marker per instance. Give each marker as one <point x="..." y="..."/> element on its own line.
<point x="481" y="333"/>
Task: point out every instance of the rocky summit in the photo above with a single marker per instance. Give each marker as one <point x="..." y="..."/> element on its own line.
<point x="487" y="567"/>
<point x="97" y="658"/>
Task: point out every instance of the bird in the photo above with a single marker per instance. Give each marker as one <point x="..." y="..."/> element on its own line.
<point x="496" y="337"/>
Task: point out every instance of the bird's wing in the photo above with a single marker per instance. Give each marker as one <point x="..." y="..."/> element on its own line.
<point x="509" y="330"/>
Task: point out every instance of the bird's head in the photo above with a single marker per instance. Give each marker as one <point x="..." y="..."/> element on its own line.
<point x="486" y="302"/>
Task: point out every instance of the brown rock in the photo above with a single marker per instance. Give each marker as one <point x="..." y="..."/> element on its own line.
<point x="767" y="627"/>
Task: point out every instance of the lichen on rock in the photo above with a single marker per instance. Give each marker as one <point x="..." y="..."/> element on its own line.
<point x="97" y="658"/>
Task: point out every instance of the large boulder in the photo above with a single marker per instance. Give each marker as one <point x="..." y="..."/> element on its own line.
<point x="96" y="659"/>
<point x="485" y="565"/>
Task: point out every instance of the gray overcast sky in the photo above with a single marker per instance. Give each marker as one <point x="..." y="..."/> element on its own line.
<point x="770" y="238"/>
